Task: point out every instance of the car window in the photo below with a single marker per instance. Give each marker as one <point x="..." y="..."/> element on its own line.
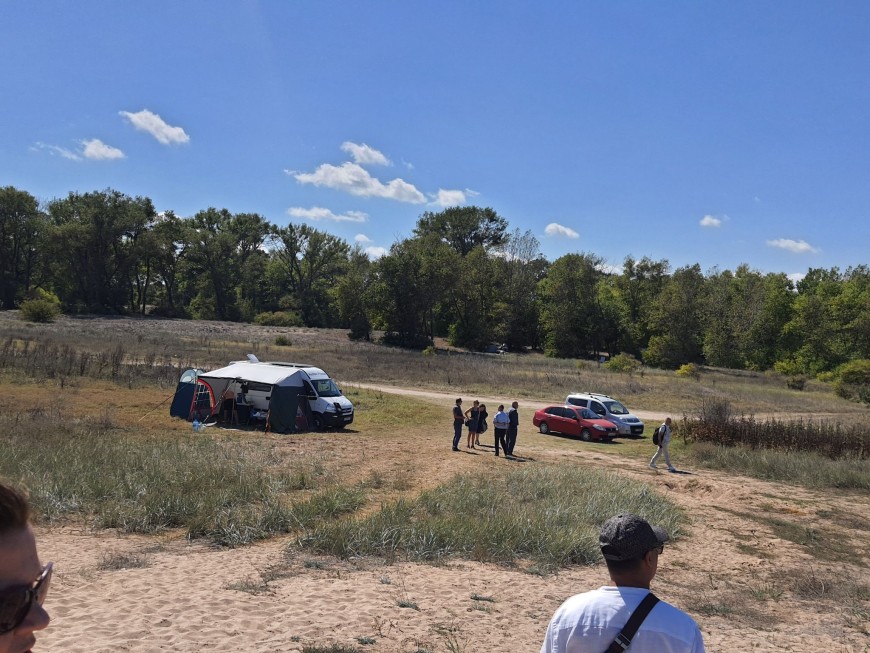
<point x="588" y="414"/>
<point x="577" y="402"/>
<point x="598" y="408"/>
<point x="554" y="410"/>
<point x="616" y="408"/>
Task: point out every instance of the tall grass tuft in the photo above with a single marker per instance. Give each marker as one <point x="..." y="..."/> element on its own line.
<point x="718" y="425"/>
<point x="550" y="516"/>
<point x="226" y="491"/>
<point x="797" y="467"/>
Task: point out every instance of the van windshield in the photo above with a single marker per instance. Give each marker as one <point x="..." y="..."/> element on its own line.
<point x="616" y="408"/>
<point x="326" y="388"/>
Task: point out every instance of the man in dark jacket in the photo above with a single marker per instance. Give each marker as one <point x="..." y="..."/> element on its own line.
<point x="513" y="425"/>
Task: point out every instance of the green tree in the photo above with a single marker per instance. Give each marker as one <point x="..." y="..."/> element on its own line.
<point x="464" y="228"/>
<point x="518" y="267"/>
<point x="352" y="291"/>
<point x="21" y="226"/>
<point x="310" y="262"/>
<point x="93" y="247"/>
<point x="570" y="313"/>
<point x="412" y="283"/>
<point x="677" y="319"/>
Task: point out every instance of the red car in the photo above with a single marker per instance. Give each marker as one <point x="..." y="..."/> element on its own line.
<point x="573" y="420"/>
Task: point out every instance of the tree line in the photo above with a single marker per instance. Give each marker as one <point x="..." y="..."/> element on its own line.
<point x="462" y="274"/>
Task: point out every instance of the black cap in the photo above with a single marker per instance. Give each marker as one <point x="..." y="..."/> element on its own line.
<point x="629" y="537"/>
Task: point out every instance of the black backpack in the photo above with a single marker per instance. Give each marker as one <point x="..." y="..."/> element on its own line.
<point x="656" y="435"/>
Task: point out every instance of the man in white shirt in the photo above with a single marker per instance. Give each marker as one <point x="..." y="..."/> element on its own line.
<point x="500" y="423"/>
<point x="590" y="622"/>
<point x="664" y="440"/>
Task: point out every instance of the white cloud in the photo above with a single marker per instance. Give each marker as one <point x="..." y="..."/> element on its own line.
<point x="97" y="150"/>
<point x="795" y="246"/>
<point x="365" y="155"/>
<point x="448" y="198"/>
<point x="375" y="252"/>
<point x="147" y="121"/>
<point x="351" y="178"/>
<point x="606" y="268"/>
<point x="319" y="213"/>
<point x="556" y="229"/>
<point x="710" y="221"/>
<point x="57" y="151"/>
<point x="362" y="238"/>
<point x="796" y="276"/>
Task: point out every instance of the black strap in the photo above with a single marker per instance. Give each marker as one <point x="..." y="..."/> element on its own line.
<point x="623" y="639"/>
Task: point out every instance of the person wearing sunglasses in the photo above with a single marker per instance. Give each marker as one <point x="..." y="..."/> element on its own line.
<point x="626" y="614"/>
<point x="23" y="580"/>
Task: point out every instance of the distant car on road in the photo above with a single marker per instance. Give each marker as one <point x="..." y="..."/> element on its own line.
<point x="573" y="420"/>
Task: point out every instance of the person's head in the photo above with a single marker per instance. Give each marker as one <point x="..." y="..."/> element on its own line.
<point x="631" y="549"/>
<point x="476" y="402"/>
<point x="668" y="421"/>
<point x="458" y="401"/>
<point x="501" y="407"/>
<point x="23" y="580"/>
<point x="516" y="404"/>
<point x="483" y="406"/>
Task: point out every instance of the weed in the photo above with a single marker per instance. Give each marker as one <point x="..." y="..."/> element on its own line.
<point x="366" y="641"/>
<point x="407" y="603"/>
<point x="452" y="636"/>
<point x="331" y="648"/>
<point x="116" y="561"/>
<point x="479" y="597"/>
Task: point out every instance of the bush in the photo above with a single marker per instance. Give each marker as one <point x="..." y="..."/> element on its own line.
<point x="796" y="382"/>
<point x="689" y="371"/>
<point x="39" y="310"/>
<point x="283" y="341"/>
<point x="279" y="319"/>
<point x="623" y="363"/>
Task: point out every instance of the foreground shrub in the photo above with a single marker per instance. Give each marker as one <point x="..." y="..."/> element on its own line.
<point x="279" y="319"/>
<point x="623" y="363"/>
<point x="717" y="425"/>
<point x="689" y="371"/>
<point x="852" y="381"/>
<point x="40" y="310"/>
<point x="550" y="515"/>
<point x="800" y="468"/>
<point x="226" y="491"/>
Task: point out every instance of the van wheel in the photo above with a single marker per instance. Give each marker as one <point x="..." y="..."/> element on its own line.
<point x="544" y="428"/>
<point x="586" y="435"/>
<point x="317" y="421"/>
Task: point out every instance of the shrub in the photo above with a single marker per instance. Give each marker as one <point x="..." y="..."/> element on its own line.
<point x="689" y="371"/>
<point x="796" y="381"/>
<point x="623" y="363"/>
<point x="429" y="351"/>
<point x="279" y="319"/>
<point x="39" y="310"/>
<point x="283" y="341"/>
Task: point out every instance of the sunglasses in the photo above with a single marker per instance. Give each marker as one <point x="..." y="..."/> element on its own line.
<point x="16" y="602"/>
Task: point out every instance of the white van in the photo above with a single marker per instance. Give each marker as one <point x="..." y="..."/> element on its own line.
<point x="609" y="409"/>
<point x="328" y="406"/>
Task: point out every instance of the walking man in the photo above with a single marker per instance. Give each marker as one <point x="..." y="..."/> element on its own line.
<point x="458" y="422"/>
<point x="597" y="621"/>
<point x="500" y="424"/>
<point x="513" y="425"/>
<point x="664" y="439"/>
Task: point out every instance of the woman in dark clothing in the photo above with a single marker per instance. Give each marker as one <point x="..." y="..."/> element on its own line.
<point x="481" y="424"/>
<point x="473" y="416"/>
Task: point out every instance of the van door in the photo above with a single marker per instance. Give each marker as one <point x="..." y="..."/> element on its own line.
<point x="598" y="408"/>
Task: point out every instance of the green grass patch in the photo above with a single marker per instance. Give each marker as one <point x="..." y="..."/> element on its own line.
<point x="549" y="515"/>
<point x="795" y="467"/>
<point x="224" y="489"/>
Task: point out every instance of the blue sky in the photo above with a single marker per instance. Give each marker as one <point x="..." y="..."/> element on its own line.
<point x="702" y="132"/>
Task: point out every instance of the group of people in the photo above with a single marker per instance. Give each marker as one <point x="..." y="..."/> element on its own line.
<point x="505" y="426"/>
<point x="616" y="616"/>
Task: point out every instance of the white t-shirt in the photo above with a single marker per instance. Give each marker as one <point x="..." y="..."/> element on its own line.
<point x="589" y="622"/>
<point x="500" y="421"/>
<point x="664" y="435"/>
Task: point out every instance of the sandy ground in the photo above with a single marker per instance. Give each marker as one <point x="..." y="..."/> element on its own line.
<point x="749" y="589"/>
